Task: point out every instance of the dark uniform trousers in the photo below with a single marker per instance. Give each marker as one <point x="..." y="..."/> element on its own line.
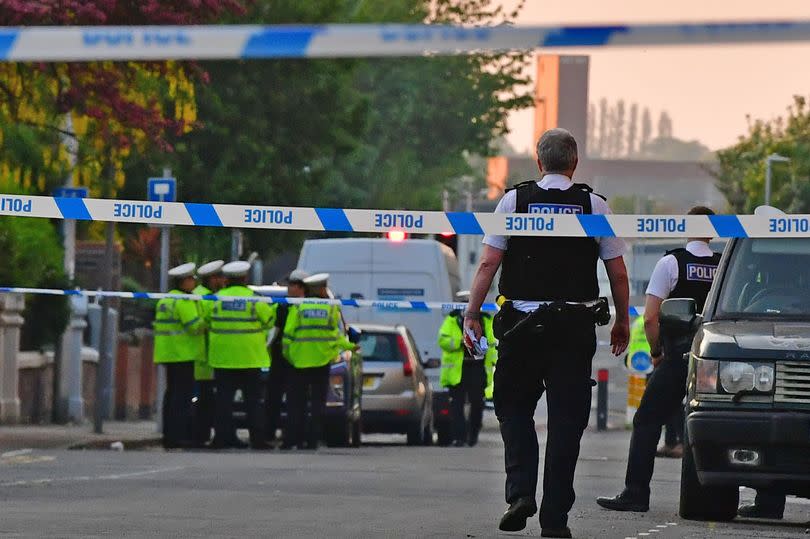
<point x="177" y="403"/>
<point x="227" y="382"/>
<point x="557" y="361"/>
<point x="306" y="386"/>
<point x="203" y="411"/>
<point x="470" y="389"/>
<point x="276" y="386"/>
<point x="663" y="396"/>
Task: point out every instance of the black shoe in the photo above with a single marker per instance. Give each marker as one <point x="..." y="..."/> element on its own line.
<point x="459" y="443"/>
<point x="565" y="531"/>
<point x="261" y="446"/>
<point x="625" y="502"/>
<point x="514" y="519"/>
<point x="473" y="440"/>
<point x="757" y="511"/>
<point x="237" y="444"/>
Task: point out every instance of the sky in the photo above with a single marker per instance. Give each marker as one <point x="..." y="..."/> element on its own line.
<point x="708" y="90"/>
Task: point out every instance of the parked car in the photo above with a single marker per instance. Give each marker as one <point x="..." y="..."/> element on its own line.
<point x="388" y="269"/>
<point x="397" y="395"/>
<point x="748" y="390"/>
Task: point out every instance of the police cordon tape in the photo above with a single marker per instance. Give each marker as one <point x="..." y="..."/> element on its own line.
<point x="394" y="305"/>
<point x="221" y="42"/>
<point x="415" y="222"/>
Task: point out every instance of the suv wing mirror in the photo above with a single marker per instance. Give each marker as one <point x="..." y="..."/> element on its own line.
<point x="678" y="316"/>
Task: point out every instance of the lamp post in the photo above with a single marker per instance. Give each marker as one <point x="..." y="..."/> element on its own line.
<point x="773" y="158"/>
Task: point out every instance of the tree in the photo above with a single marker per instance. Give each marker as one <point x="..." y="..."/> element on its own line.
<point x="603" y="127"/>
<point x="665" y="125"/>
<point x="740" y="169"/>
<point x="632" y="130"/>
<point x="618" y="130"/>
<point x="646" y="129"/>
<point x="591" y="138"/>
<point x="673" y="149"/>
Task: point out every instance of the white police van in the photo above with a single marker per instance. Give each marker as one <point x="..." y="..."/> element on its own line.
<point x="392" y="269"/>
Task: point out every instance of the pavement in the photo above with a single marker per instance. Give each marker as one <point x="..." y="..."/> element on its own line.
<point x="382" y="489"/>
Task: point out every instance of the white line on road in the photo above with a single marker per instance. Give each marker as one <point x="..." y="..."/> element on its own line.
<point x="16" y="453"/>
<point x="106" y="477"/>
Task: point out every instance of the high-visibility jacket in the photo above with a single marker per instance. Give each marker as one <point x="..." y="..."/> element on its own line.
<point x="237" y="331"/>
<point x="178" y="330"/>
<point x="312" y="335"/>
<point x="638" y="350"/>
<point x="202" y="370"/>
<point x="451" y="341"/>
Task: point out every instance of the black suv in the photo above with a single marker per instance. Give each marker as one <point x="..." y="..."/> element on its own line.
<point x="748" y="390"/>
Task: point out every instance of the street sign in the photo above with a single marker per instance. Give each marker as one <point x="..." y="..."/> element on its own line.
<point x="161" y="189"/>
<point x="70" y="192"/>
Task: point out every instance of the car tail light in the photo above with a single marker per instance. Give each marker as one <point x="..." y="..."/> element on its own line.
<point x="407" y="368"/>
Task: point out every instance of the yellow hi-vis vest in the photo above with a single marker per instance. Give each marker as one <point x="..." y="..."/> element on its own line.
<point x="451" y="341"/>
<point x="237" y="334"/>
<point x="638" y="351"/>
<point x="312" y="335"/>
<point x="202" y="370"/>
<point x="178" y="330"/>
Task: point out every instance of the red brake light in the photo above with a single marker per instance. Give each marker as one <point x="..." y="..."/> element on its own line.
<point x="447" y="234"/>
<point x="407" y="368"/>
<point x="396" y="235"/>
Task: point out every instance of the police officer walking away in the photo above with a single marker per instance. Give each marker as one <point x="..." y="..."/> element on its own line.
<point x="682" y="273"/>
<point x="279" y="366"/>
<point x="179" y="341"/>
<point x="465" y="376"/>
<point x="238" y="352"/>
<point x="546" y="335"/>
<point x="312" y="339"/>
<point x="203" y="407"/>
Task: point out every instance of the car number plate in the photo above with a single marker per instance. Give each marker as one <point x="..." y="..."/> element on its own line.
<point x="370" y="382"/>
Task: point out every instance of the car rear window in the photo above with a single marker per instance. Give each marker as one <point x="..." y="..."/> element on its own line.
<point x="379" y="347"/>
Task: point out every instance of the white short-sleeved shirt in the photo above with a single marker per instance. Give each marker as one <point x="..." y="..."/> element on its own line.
<point x="609" y="247"/>
<point x="665" y="275"/>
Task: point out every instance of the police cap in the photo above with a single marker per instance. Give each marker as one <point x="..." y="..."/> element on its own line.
<point x="298" y="276"/>
<point x="319" y="279"/>
<point x="183" y="270"/>
<point x="238" y="268"/>
<point x="211" y="268"/>
<point x="463" y="295"/>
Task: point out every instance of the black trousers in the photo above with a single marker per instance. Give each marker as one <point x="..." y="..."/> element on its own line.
<point x="673" y="434"/>
<point x="227" y="382"/>
<point x="470" y="389"/>
<point x="557" y="361"/>
<point x="771" y="499"/>
<point x="306" y="386"/>
<point x="276" y="386"/>
<point x="663" y="396"/>
<point x="203" y="411"/>
<point x="177" y="403"/>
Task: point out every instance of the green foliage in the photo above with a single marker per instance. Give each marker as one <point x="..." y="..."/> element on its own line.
<point x="32" y="257"/>
<point x="740" y="171"/>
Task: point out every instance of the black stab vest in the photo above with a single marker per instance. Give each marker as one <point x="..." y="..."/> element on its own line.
<point x="695" y="275"/>
<point x="551" y="268"/>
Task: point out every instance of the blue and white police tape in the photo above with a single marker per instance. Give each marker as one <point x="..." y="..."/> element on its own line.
<point x="416" y="222"/>
<point x="392" y="305"/>
<point x="87" y="43"/>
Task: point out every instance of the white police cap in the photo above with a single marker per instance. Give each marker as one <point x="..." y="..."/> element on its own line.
<point x="319" y="279"/>
<point x="237" y="268"/>
<point x="298" y="276"/>
<point x="269" y="290"/>
<point x="211" y="268"/>
<point x="183" y="270"/>
<point x="463" y="295"/>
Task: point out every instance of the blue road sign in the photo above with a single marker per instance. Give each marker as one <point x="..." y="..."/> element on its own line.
<point x="70" y="192"/>
<point x="161" y="189"/>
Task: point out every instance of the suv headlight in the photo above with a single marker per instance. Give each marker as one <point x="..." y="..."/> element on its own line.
<point x="736" y="376"/>
<point x="336" y="382"/>
<point x="713" y="376"/>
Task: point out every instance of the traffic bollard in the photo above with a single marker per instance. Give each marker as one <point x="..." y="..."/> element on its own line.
<point x="601" y="399"/>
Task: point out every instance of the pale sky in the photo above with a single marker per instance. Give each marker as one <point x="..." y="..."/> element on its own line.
<point x="708" y="90"/>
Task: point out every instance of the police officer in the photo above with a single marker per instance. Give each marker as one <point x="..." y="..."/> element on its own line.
<point x="280" y="367"/>
<point x="545" y="331"/>
<point x="312" y="339"/>
<point x="682" y="273"/>
<point x="179" y="342"/>
<point x="466" y="377"/>
<point x="238" y="351"/>
<point x="212" y="280"/>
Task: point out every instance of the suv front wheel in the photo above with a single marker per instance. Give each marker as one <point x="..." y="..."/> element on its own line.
<point x="704" y="503"/>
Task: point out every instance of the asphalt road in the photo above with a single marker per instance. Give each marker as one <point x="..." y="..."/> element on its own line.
<point x="383" y="489"/>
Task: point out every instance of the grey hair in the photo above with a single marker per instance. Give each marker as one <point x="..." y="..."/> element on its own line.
<point x="557" y="151"/>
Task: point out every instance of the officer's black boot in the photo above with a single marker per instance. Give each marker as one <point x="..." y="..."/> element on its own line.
<point x="514" y="519"/>
<point x="626" y="501"/>
<point x="768" y="504"/>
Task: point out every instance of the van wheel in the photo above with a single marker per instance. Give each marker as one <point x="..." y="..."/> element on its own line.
<point x="444" y="436"/>
<point x="704" y="503"/>
<point x="338" y="434"/>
